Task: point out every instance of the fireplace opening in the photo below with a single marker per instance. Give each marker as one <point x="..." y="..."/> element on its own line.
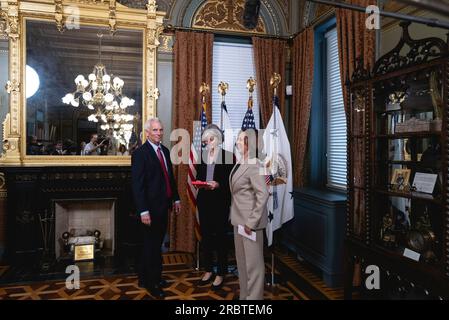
<point x="83" y="222"/>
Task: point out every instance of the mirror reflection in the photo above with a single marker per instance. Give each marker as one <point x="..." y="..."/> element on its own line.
<point x="83" y="90"/>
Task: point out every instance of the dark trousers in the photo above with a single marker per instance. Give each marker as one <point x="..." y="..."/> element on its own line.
<point x="150" y="269"/>
<point x="215" y="242"/>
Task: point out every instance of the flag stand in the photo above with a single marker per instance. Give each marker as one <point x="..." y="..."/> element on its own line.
<point x="272" y="281"/>
<point x="195" y="156"/>
<point x="274" y="82"/>
<point x="222" y="89"/>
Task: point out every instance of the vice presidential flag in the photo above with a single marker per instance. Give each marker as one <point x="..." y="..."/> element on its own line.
<point x="279" y="178"/>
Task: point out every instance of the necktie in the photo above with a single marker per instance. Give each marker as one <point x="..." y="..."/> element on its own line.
<point x="164" y="170"/>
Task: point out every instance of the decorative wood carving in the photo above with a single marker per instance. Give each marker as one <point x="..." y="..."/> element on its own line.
<point x="360" y="73"/>
<point x="166" y="45"/>
<point x="12" y="19"/>
<point x="92" y="1"/>
<point x="13" y="86"/>
<point x="154" y="30"/>
<point x="224" y="15"/>
<point x="112" y="16"/>
<point x="417" y="52"/>
<point x="3" y="24"/>
<point x="59" y="15"/>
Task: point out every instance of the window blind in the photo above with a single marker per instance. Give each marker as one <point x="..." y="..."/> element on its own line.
<point x="233" y="63"/>
<point x="336" y="117"/>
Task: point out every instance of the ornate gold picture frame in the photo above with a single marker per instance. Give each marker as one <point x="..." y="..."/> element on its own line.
<point x="102" y="13"/>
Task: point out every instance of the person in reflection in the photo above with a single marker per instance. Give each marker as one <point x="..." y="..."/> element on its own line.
<point x="69" y="146"/>
<point x="155" y="194"/>
<point x="122" y="150"/>
<point x="111" y="149"/>
<point x="82" y="147"/>
<point x="249" y="213"/>
<point x="59" y="150"/>
<point x="134" y="142"/>
<point x="93" y="148"/>
<point x="34" y="148"/>
<point x="213" y="203"/>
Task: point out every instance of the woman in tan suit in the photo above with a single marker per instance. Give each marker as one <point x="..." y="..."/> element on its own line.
<point x="249" y="211"/>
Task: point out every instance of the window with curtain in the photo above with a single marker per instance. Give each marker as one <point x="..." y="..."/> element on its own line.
<point x="336" y="117"/>
<point x="233" y="63"/>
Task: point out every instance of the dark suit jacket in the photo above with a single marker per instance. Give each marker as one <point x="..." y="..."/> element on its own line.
<point x="213" y="205"/>
<point x="148" y="180"/>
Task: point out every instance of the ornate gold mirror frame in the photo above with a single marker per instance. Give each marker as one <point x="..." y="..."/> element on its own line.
<point x="107" y="13"/>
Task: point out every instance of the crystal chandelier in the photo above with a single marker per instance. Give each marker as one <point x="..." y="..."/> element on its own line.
<point x="103" y="93"/>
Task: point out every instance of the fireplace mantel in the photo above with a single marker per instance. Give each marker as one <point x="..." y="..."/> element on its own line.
<point x="32" y="192"/>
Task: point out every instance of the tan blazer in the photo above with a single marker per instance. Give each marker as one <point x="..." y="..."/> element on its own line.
<point x="249" y="197"/>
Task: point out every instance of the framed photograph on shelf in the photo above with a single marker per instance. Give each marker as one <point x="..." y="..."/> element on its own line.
<point x="400" y="179"/>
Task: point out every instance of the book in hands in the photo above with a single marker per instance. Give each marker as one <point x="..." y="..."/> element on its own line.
<point x="199" y="184"/>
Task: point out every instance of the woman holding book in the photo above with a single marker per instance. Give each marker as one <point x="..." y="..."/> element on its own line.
<point x="213" y="203"/>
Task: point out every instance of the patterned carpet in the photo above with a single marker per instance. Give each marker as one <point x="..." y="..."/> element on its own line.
<point x="183" y="284"/>
<point x="311" y="277"/>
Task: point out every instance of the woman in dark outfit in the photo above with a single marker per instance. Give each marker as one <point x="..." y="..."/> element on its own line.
<point x="213" y="203"/>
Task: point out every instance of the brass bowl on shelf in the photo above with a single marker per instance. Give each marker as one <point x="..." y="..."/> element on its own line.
<point x="420" y="241"/>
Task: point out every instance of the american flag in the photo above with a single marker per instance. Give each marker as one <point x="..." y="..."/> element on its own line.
<point x="195" y="157"/>
<point x="248" y="120"/>
<point x="269" y="178"/>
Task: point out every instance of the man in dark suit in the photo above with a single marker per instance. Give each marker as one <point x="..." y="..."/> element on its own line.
<point x="154" y="190"/>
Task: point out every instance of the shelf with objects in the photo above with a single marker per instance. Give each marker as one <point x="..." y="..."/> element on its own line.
<point x="398" y="212"/>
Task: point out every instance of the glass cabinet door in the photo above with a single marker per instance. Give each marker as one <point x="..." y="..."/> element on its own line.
<point x="408" y="179"/>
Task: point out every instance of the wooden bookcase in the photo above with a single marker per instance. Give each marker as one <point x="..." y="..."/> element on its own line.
<point x="398" y="219"/>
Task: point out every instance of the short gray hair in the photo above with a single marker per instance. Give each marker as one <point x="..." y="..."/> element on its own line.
<point x="213" y="130"/>
<point x="147" y="124"/>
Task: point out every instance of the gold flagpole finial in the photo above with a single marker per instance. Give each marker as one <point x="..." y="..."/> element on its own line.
<point x="250" y="84"/>
<point x="204" y="90"/>
<point x="275" y="81"/>
<point x="223" y="88"/>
